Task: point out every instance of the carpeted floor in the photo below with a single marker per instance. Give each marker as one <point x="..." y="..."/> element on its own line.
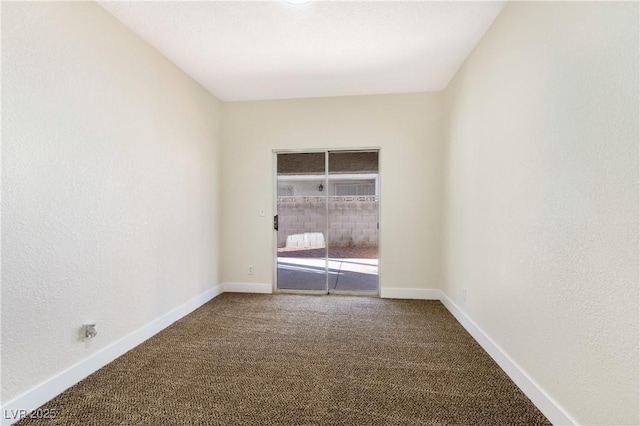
<point x="301" y="360"/>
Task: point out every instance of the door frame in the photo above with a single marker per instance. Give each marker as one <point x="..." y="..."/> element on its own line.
<point x="274" y="200"/>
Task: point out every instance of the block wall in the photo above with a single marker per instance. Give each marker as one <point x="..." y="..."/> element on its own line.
<point x="353" y="221"/>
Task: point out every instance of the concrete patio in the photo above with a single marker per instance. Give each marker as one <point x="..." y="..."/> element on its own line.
<point x="344" y="274"/>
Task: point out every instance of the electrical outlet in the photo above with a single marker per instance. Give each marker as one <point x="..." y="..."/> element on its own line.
<point x="250" y="270"/>
<point x="464" y="294"/>
<point x="90" y="330"/>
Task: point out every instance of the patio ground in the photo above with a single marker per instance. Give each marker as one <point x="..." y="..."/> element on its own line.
<point x="351" y="269"/>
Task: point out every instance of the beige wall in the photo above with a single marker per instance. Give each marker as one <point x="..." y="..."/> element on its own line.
<point x="110" y="186"/>
<point x="541" y="201"/>
<point x="407" y="130"/>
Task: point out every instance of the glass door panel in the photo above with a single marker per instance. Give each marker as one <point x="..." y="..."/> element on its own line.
<point x="301" y="221"/>
<point x="353" y="205"/>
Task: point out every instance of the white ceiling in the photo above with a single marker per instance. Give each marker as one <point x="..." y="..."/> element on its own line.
<point x="241" y="50"/>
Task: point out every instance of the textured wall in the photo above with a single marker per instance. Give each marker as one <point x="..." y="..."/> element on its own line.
<point x="541" y="200"/>
<point x="407" y="128"/>
<point x="110" y="177"/>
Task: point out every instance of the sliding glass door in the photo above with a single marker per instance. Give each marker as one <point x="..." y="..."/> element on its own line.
<point x="326" y="226"/>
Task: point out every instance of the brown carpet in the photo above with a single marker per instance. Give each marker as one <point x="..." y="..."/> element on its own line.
<point x="301" y="360"/>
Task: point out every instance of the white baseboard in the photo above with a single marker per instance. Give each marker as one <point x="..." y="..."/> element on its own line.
<point x="54" y="386"/>
<point x="410" y="293"/>
<point x="535" y="393"/>
<point x="265" y="288"/>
